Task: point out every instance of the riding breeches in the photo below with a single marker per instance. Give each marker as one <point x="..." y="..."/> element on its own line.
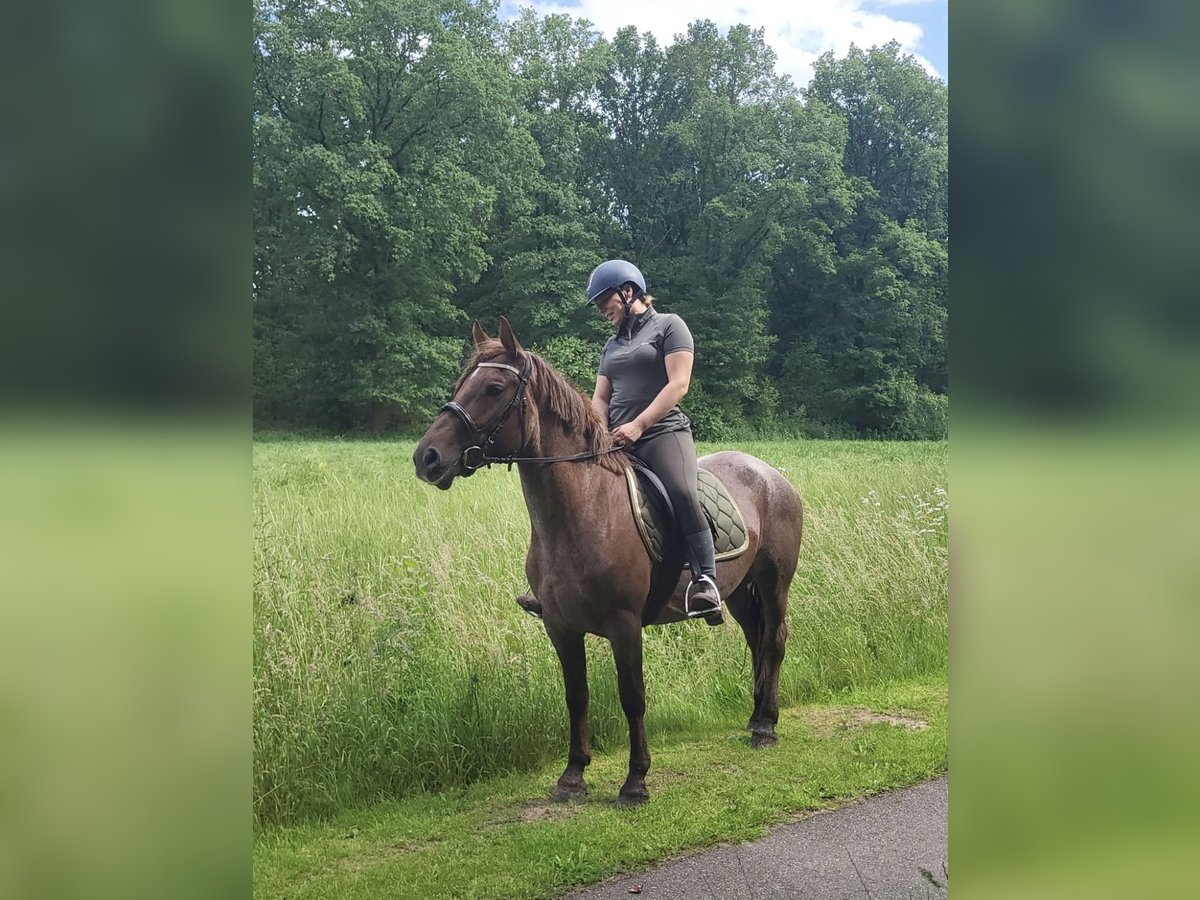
<point x="671" y="455"/>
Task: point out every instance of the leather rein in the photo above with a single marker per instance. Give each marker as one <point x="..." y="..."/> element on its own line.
<point x="477" y="456"/>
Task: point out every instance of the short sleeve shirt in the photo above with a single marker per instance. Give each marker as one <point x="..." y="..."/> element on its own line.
<point x="637" y="369"/>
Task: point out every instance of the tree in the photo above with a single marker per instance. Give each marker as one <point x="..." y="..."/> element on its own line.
<point x="544" y="243"/>
<point x="897" y="120"/>
<point x="417" y="164"/>
<point x="383" y="142"/>
<point x="863" y="328"/>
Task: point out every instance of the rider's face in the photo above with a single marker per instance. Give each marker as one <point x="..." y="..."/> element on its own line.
<point x="610" y="306"/>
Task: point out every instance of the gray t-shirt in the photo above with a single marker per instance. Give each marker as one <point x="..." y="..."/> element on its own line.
<point x="637" y="369"/>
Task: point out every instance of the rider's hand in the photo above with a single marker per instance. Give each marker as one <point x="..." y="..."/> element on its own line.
<point x="627" y="434"/>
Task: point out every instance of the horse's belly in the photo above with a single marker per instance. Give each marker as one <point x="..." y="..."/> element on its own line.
<point x="578" y="595"/>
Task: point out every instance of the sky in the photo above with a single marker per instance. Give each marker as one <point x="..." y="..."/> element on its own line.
<point x="797" y="30"/>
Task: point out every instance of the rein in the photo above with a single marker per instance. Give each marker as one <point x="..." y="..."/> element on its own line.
<point x="477" y="457"/>
<point x="578" y="456"/>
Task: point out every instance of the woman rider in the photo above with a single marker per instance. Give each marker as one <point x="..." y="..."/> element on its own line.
<point x="645" y="370"/>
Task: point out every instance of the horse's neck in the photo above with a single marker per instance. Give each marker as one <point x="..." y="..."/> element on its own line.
<point x="558" y="494"/>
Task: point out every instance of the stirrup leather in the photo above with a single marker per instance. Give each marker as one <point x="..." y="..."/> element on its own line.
<point x="687" y="597"/>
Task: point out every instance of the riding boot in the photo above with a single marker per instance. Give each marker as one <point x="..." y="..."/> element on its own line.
<point x="530" y="604"/>
<point x="703" y="598"/>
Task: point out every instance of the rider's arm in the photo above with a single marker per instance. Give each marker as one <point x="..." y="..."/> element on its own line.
<point x="601" y="396"/>
<point x="679" y="377"/>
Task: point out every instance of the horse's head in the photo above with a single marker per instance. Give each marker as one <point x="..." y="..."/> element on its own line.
<point x="486" y="416"/>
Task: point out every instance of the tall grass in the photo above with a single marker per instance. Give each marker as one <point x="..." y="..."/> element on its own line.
<point x="390" y="659"/>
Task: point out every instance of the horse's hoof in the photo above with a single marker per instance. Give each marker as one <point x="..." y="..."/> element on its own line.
<point x="564" y="793"/>
<point x="760" y="739"/>
<point x="633" y="797"/>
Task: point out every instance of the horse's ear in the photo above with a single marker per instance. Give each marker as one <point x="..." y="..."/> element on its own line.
<point x="478" y="333"/>
<point x="508" y="339"/>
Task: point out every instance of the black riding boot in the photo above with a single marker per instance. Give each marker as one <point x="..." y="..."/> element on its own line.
<point x="530" y="604"/>
<point x="703" y="598"/>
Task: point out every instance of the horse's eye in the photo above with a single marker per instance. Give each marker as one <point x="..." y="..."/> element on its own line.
<point x="493" y="390"/>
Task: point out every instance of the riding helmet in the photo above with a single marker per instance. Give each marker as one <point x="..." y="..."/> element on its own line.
<point x="612" y="274"/>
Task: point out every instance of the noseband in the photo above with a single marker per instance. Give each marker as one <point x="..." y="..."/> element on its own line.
<point x="477" y="456"/>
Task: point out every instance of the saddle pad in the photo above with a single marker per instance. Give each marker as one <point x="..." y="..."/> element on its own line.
<point x="730" y="537"/>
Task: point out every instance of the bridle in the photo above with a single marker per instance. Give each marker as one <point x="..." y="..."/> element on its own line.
<point x="477" y="455"/>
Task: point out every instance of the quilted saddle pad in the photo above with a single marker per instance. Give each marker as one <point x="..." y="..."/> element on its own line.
<point x="730" y="537"/>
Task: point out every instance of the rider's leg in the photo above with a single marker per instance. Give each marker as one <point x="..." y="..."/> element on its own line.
<point x="672" y="457"/>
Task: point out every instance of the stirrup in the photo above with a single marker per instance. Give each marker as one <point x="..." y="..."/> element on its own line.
<point x="697" y="613"/>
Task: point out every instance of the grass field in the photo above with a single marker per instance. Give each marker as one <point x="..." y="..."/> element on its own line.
<point x="501" y="838"/>
<point x="389" y="658"/>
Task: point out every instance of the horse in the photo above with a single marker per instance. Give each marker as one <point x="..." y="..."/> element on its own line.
<point x="587" y="563"/>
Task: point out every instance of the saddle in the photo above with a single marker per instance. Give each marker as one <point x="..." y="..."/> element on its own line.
<point x="655" y="517"/>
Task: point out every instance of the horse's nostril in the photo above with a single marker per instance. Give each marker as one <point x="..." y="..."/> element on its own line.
<point x="431" y="458"/>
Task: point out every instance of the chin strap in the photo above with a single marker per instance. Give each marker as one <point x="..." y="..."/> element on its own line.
<point x="628" y="304"/>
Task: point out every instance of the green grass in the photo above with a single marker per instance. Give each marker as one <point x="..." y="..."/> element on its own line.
<point x="390" y="660"/>
<point x="503" y="838"/>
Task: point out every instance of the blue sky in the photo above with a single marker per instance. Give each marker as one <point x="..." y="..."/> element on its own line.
<point x="932" y="17"/>
<point x="798" y="31"/>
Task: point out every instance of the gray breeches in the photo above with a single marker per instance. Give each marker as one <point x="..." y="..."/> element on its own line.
<point x="672" y="457"/>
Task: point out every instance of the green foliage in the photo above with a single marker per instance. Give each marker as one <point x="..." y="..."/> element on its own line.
<point x="573" y="357"/>
<point x="897" y="119"/>
<point x="862" y="322"/>
<point x="544" y="244"/>
<point x="383" y="144"/>
<point x="418" y="164"/>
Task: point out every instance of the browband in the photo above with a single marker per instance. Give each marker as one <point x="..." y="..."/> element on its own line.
<point x="499" y="366"/>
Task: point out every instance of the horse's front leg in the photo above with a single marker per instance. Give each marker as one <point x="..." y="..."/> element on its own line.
<point x="626" y="638"/>
<point x="573" y="658"/>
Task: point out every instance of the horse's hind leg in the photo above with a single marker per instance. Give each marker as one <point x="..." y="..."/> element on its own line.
<point x="764" y="621"/>
<point x="748" y="614"/>
<point x="573" y="658"/>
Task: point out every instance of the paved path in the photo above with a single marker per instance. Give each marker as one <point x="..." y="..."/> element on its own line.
<point x="875" y="849"/>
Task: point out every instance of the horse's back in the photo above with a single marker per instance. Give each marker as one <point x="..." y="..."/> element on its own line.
<point x="770" y="505"/>
<point x="753" y="480"/>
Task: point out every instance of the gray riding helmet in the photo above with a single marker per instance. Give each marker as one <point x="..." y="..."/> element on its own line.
<point x="612" y="274"/>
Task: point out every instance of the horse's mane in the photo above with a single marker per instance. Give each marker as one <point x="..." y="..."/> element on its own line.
<point x="559" y="402"/>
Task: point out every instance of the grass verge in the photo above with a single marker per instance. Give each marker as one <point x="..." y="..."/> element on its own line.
<point x="503" y="838"/>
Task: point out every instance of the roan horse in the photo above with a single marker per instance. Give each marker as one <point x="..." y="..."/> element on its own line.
<point x="586" y="562"/>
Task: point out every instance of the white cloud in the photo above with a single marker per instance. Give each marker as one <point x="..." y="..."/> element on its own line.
<point x="901" y="2"/>
<point x="797" y="31"/>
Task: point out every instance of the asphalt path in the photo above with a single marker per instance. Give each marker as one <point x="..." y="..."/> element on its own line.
<point x="891" y="845"/>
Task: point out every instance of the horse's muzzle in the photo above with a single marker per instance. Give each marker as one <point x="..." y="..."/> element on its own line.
<point x="432" y="468"/>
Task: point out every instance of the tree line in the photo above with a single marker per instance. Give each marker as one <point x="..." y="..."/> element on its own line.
<point x="419" y="164"/>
